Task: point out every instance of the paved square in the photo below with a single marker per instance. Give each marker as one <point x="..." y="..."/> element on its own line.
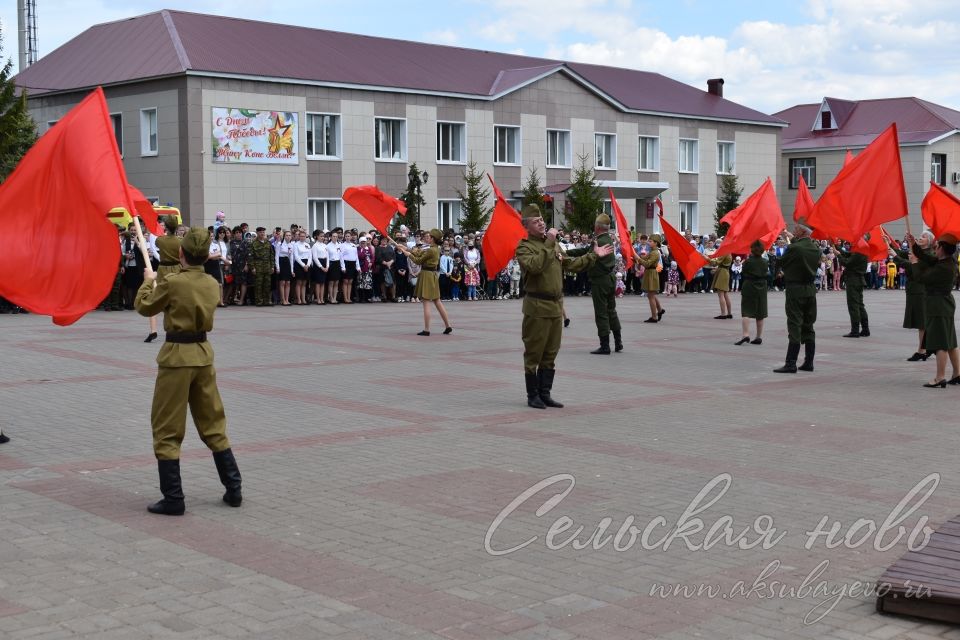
<point x="375" y="463"/>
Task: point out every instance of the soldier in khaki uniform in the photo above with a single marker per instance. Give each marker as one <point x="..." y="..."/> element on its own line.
<point x="603" y="288"/>
<point x="543" y="263"/>
<point x="185" y="373"/>
<point x="651" y="279"/>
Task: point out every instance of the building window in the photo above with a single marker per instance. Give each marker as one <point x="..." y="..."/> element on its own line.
<point x="323" y="135"/>
<point x="50" y="124"/>
<point x="806" y="167"/>
<point x="506" y="145"/>
<point x="608" y="208"/>
<point x="689" y="161"/>
<point x="938" y="168"/>
<point x="117" y="121"/>
<point x="148" y="132"/>
<point x="726" y="158"/>
<point x="826" y="120"/>
<point x="448" y="214"/>
<point x="324" y="214"/>
<point x="649" y="153"/>
<point x="451" y="142"/>
<point x="558" y="149"/>
<point x="605" y="145"/>
<point x="391" y="139"/>
<point x="688" y="217"/>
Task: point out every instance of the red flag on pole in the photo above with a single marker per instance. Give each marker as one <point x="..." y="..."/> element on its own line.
<point x="804" y="202"/>
<point x="941" y="211"/>
<point x="145" y="210"/>
<point x="503" y="234"/>
<point x="758" y="218"/>
<point x="878" y="249"/>
<point x="682" y="252"/>
<point x="623" y="232"/>
<point x="374" y="205"/>
<point x="51" y="264"/>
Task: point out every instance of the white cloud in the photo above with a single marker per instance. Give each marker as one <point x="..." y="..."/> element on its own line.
<point x="446" y="36"/>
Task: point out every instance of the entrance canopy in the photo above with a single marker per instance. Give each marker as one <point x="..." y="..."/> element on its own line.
<point x="622" y="189"/>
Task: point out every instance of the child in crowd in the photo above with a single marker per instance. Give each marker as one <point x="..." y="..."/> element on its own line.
<point x="673" y="279"/>
<point x="620" y="286"/>
<point x="736" y="273"/>
<point x="891" y="274"/>
<point x="456" y="277"/>
<point x="472" y="279"/>
<point x="514" y="268"/>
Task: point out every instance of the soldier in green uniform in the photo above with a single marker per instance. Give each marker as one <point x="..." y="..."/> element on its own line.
<point x="428" y="282"/>
<point x="543" y="264"/>
<point x="168" y="246"/>
<point x="262" y="267"/>
<point x="185" y="373"/>
<point x="753" y="293"/>
<point x="603" y="287"/>
<point x="799" y="266"/>
<point x="938" y="273"/>
<point x="913" y="317"/>
<point x="854" y="269"/>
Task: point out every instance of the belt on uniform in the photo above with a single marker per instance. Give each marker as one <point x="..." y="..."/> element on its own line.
<point x="428" y="268"/>
<point x="186" y="337"/>
<point x="938" y="292"/>
<point x="543" y="296"/>
<point x="168" y="263"/>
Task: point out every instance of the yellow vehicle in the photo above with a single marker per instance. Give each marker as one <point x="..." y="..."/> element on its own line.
<point x="122" y="217"/>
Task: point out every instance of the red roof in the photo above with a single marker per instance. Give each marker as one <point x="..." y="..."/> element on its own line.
<point x="176" y="42"/>
<point x="918" y="122"/>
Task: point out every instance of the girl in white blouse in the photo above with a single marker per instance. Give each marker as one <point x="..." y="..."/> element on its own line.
<point x="319" y="265"/>
<point x="283" y="263"/>
<point x="351" y="264"/>
<point x="301" y="266"/>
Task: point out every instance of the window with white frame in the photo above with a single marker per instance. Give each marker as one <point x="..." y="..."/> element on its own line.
<point x="806" y="167"/>
<point x="451" y="142"/>
<point x="448" y="214"/>
<point x="324" y="213"/>
<point x="116" y="120"/>
<point x="649" y="153"/>
<point x="559" y="149"/>
<point x="323" y="135"/>
<point x="606" y="150"/>
<point x="938" y="168"/>
<point x="726" y="158"/>
<point x="391" y="139"/>
<point x="689" y="161"/>
<point x="608" y="207"/>
<point x="506" y="145"/>
<point x="688" y="217"/>
<point x="149" y="145"/>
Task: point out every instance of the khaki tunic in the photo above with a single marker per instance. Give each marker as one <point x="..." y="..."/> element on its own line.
<point x="721" y="274"/>
<point x="651" y="279"/>
<point x="169" y="249"/>
<point x="428" y="282"/>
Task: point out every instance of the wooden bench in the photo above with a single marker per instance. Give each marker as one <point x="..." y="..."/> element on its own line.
<point x="925" y="583"/>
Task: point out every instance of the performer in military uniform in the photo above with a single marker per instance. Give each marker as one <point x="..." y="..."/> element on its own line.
<point x="938" y="273"/>
<point x="185" y="373"/>
<point x="603" y="287"/>
<point x="168" y="246"/>
<point x="721" y="284"/>
<point x="428" y="282"/>
<point x="262" y="267"/>
<point x="651" y="279"/>
<point x="799" y="266"/>
<point x="913" y="317"/>
<point x="543" y="264"/>
<point x="854" y="269"/>
<point x="753" y="293"/>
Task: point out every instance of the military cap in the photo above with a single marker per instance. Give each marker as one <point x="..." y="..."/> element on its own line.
<point x="531" y="211"/>
<point x="196" y="242"/>
<point x="436" y="235"/>
<point x="656" y="238"/>
<point x="948" y="238"/>
<point x="169" y="222"/>
<point x="603" y="219"/>
<point x="261" y="229"/>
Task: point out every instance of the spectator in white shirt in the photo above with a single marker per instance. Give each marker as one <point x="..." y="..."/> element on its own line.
<point x="351" y="266"/>
<point x="335" y="263"/>
<point x="301" y="266"/>
<point x="283" y="263"/>
<point x="319" y="264"/>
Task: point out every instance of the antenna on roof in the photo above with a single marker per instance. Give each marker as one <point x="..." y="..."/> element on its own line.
<point x="27" y="28"/>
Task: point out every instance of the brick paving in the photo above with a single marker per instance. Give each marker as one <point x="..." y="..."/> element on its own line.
<point x="375" y="461"/>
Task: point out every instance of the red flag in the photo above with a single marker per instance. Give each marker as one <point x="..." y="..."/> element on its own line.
<point x="941" y="211"/>
<point x="374" y="205"/>
<point x="623" y="232"/>
<point x="503" y="234"/>
<point x="877" y="247"/>
<point x="804" y="202"/>
<point x="47" y="265"/>
<point x="682" y="252"/>
<point x="847" y="158"/>
<point x="146" y="211"/>
<point x="868" y="191"/>
<point x="758" y="218"/>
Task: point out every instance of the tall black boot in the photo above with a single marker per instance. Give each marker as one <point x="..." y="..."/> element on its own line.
<point x="808" y="350"/>
<point x="171" y="488"/>
<point x="790" y="364"/>
<point x="533" y="391"/>
<point x="617" y="342"/>
<point x="229" y="476"/>
<point x="604" y="346"/>
<point x="3" y="438"/>
<point x="864" y="327"/>
<point x="545" y="384"/>
<point x="854" y="330"/>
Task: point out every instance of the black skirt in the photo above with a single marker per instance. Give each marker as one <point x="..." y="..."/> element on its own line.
<point x="299" y="273"/>
<point x="212" y="267"/>
<point x="317" y="274"/>
<point x="334" y="273"/>
<point x="351" y="272"/>
<point x="284" y="274"/>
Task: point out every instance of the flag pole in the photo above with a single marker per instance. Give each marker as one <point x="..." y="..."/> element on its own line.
<point x="143" y="247"/>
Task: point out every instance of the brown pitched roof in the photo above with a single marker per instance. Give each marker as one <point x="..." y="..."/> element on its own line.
<point x="176" y="42"/>
<point x="918" y="122"/>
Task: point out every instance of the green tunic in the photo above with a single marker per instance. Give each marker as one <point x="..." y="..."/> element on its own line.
<point x="753" y="291"/>
<point x="913" y="316"/>
<point x="937" y="277"/>
<point x="799" y="266"/>
<point x="602" y="287"/>
<point x="854" y="270"/>
<point x="721" y="273"/>
<point x="169" y="249"/>
<point x="428" y="282"/>
<point x="651" y="279"/>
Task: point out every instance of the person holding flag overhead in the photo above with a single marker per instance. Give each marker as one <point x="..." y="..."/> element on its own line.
<point x="651" y="279"/>
<point x="799" y="265"/>
<point x="937" y="273"/>
<point x="428" y="282"/>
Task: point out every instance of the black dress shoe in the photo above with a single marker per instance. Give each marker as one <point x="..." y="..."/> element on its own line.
<point x="566" y="322"/>
<point x="660" y="313"/>
<point x="933" y="385"/>
<point x="151" y="337"/>
<point x="917" y="356"/>
<point x="954" y="380"/>
<point x="424" y="333"/>
<point x="448" y="331"/>
<point x="3" y="439"/>
<point x="743" y="340"/>
<point x="720" y="317"/>
<point x="651" y="320"/>
<point x="756" y="341"/>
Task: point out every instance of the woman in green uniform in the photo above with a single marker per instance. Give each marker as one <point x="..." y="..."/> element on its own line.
<point x="913" y="317"/>
<point x="937" y="274"/>
<point x="168" y="246"/>
<point x="428" y="283"/>
<point x="721" y="284"/>
<point x="651" y="279"/>
<point x="753" y="293"/>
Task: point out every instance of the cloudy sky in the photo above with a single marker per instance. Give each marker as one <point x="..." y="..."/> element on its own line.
<point x="771" y="54"/>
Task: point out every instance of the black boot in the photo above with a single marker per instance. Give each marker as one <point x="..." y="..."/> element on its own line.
<point x="533" y="391"/>
<point x="604" y="346"/>
<point x="170" y="487"/>
<point x="3" y="438"/>
<point x="808" y="350"/>
<point x="854" y="330"/>
<point x="545" y="385"/>
<point x="864" y="328"/>
<point x="617" y="342"/>
<point x="790" y="364"/>
<point x="229" y="476"/>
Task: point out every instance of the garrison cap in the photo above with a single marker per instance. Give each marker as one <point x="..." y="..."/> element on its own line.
<point x="436" y="235"/>
<point x="196" y="242"/>
<point x="602" y="219"/>
<point x="531" y="211"/>
<point x="169" y="222"/>
<point x="656" y="238"/>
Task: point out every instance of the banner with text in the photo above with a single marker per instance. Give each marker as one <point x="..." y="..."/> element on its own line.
<point x="245" y="135"/>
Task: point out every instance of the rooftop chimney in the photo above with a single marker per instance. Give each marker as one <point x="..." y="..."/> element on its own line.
<point x="715" y="87"/>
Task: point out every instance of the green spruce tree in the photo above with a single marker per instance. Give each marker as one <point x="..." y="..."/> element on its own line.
<point x="474" y="212"/>
<point x="730" y="192"/>
<point x="17" y="129"/>
<point x="584" y="197"/>
<point x="413" y="199"/>
<point x="533" y="194"/>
